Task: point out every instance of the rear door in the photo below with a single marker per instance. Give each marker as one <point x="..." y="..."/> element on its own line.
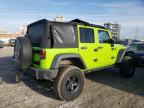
<point x="87" y="46"/>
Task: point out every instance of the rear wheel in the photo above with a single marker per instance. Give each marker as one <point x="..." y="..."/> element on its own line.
<point x="128" y="66"/>
<point x="69" y="83"/>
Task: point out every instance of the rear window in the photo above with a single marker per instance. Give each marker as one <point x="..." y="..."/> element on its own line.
<point x="35" y="34"/>
<point x="86" y="35"/>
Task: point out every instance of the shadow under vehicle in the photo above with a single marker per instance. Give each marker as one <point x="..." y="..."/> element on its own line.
<point x="108" y="77"/>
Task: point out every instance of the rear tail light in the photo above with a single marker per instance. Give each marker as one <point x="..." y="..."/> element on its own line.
<point x="42" y="54"/>
<point x="32" y="54"/>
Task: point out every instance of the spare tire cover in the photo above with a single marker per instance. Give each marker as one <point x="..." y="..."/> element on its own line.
<point x="23" y="53"/>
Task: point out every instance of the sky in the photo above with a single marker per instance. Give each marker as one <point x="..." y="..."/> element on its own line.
<point x="128" y="13"/>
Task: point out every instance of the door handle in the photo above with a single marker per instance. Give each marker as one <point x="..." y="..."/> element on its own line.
<point x="113" y="48"/>
<point x="112" y="57"/>
<point x="83" y="48"/>
<point x="100" y="47"/>
<point x="95" y="50"/>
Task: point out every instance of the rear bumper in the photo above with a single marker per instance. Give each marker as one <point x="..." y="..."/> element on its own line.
<point x="42" y="74"/>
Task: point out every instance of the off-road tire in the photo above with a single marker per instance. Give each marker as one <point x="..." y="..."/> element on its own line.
<point x="127" y="66"/>
<point x="62" y="83"/>
<point x="23" y="53"/>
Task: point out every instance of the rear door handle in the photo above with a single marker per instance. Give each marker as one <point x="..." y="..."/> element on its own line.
<point x="83" y="48"/>
<point x="100" y="47"/>
<point x="112" y="57"/>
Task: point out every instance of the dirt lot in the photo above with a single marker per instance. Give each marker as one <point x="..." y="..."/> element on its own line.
<point x="103" y="89"/>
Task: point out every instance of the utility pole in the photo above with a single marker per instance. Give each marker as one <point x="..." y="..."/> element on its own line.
<point x="136" y="33"/>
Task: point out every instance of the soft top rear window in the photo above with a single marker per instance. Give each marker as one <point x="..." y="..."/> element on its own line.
<point x="35" y="34"/>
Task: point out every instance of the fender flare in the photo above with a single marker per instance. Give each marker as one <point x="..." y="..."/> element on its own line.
<point x="59" y="57"/>
<point x="120" y="55"/>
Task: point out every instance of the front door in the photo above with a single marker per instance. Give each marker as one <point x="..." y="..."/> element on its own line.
<point x="105" y="49"/>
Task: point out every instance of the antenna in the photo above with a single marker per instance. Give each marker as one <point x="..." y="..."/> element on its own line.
<point x="37" y="13"/>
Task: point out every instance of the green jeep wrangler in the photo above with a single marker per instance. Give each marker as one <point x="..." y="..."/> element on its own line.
<point x="63" y="52"/>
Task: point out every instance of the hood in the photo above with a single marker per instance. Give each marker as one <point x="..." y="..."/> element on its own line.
<point x="139" y="53"/>
<point x="136" y="52"/>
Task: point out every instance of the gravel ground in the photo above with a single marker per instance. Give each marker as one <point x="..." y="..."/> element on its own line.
<point x="103" y="89"/>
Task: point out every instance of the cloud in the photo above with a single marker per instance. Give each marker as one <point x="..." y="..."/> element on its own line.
<point x="129" y="14"/>
<point x="2" y="6"/>
<point x="50" y="2"/>
<point x="126" y="10"/>
<point x="26" y="14"/>
<point x="58" y="3"/>
<point x="119" y="4"/>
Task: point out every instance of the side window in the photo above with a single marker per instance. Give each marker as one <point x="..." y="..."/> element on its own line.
<point x="103" y="36"/>
<point x="86" y="35"/>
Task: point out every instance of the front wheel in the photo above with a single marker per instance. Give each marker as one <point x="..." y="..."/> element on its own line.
<point x="69" y="83"/>
<point x="127" y="66"/>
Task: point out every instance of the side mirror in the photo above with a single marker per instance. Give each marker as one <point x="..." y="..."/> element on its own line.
<point x="111" y="41"/>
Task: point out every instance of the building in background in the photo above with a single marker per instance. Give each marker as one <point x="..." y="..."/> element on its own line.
<point x="59" y="18"/>
<point x="6" y="36"/>
<point x="3" y="31"/>
<point x="23" y="29"/>
<point x="115" y="30"/>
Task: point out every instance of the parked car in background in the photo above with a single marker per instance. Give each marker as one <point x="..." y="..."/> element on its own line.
<point x="1" y="44"/>
<point x="12" y="42"/>
<point x="122" y="42"/>
<point x="134" y="41"/>
<point x="138" y="50"/>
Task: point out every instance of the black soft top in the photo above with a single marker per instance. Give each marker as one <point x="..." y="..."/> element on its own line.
<point x="78" y="21"/>
<point x="74" y="22"/>
<point x="52" y="34"/>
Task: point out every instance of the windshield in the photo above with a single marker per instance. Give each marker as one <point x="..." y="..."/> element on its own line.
<point x="139" y="47"/>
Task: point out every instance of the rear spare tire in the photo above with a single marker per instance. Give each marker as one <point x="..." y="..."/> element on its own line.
<point x="128" y="66"/>
<point x="23" y="53"/>
<point x="69" y="83"/>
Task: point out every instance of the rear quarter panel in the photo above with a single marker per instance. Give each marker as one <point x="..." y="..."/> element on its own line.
<point x="50" y="54"/>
